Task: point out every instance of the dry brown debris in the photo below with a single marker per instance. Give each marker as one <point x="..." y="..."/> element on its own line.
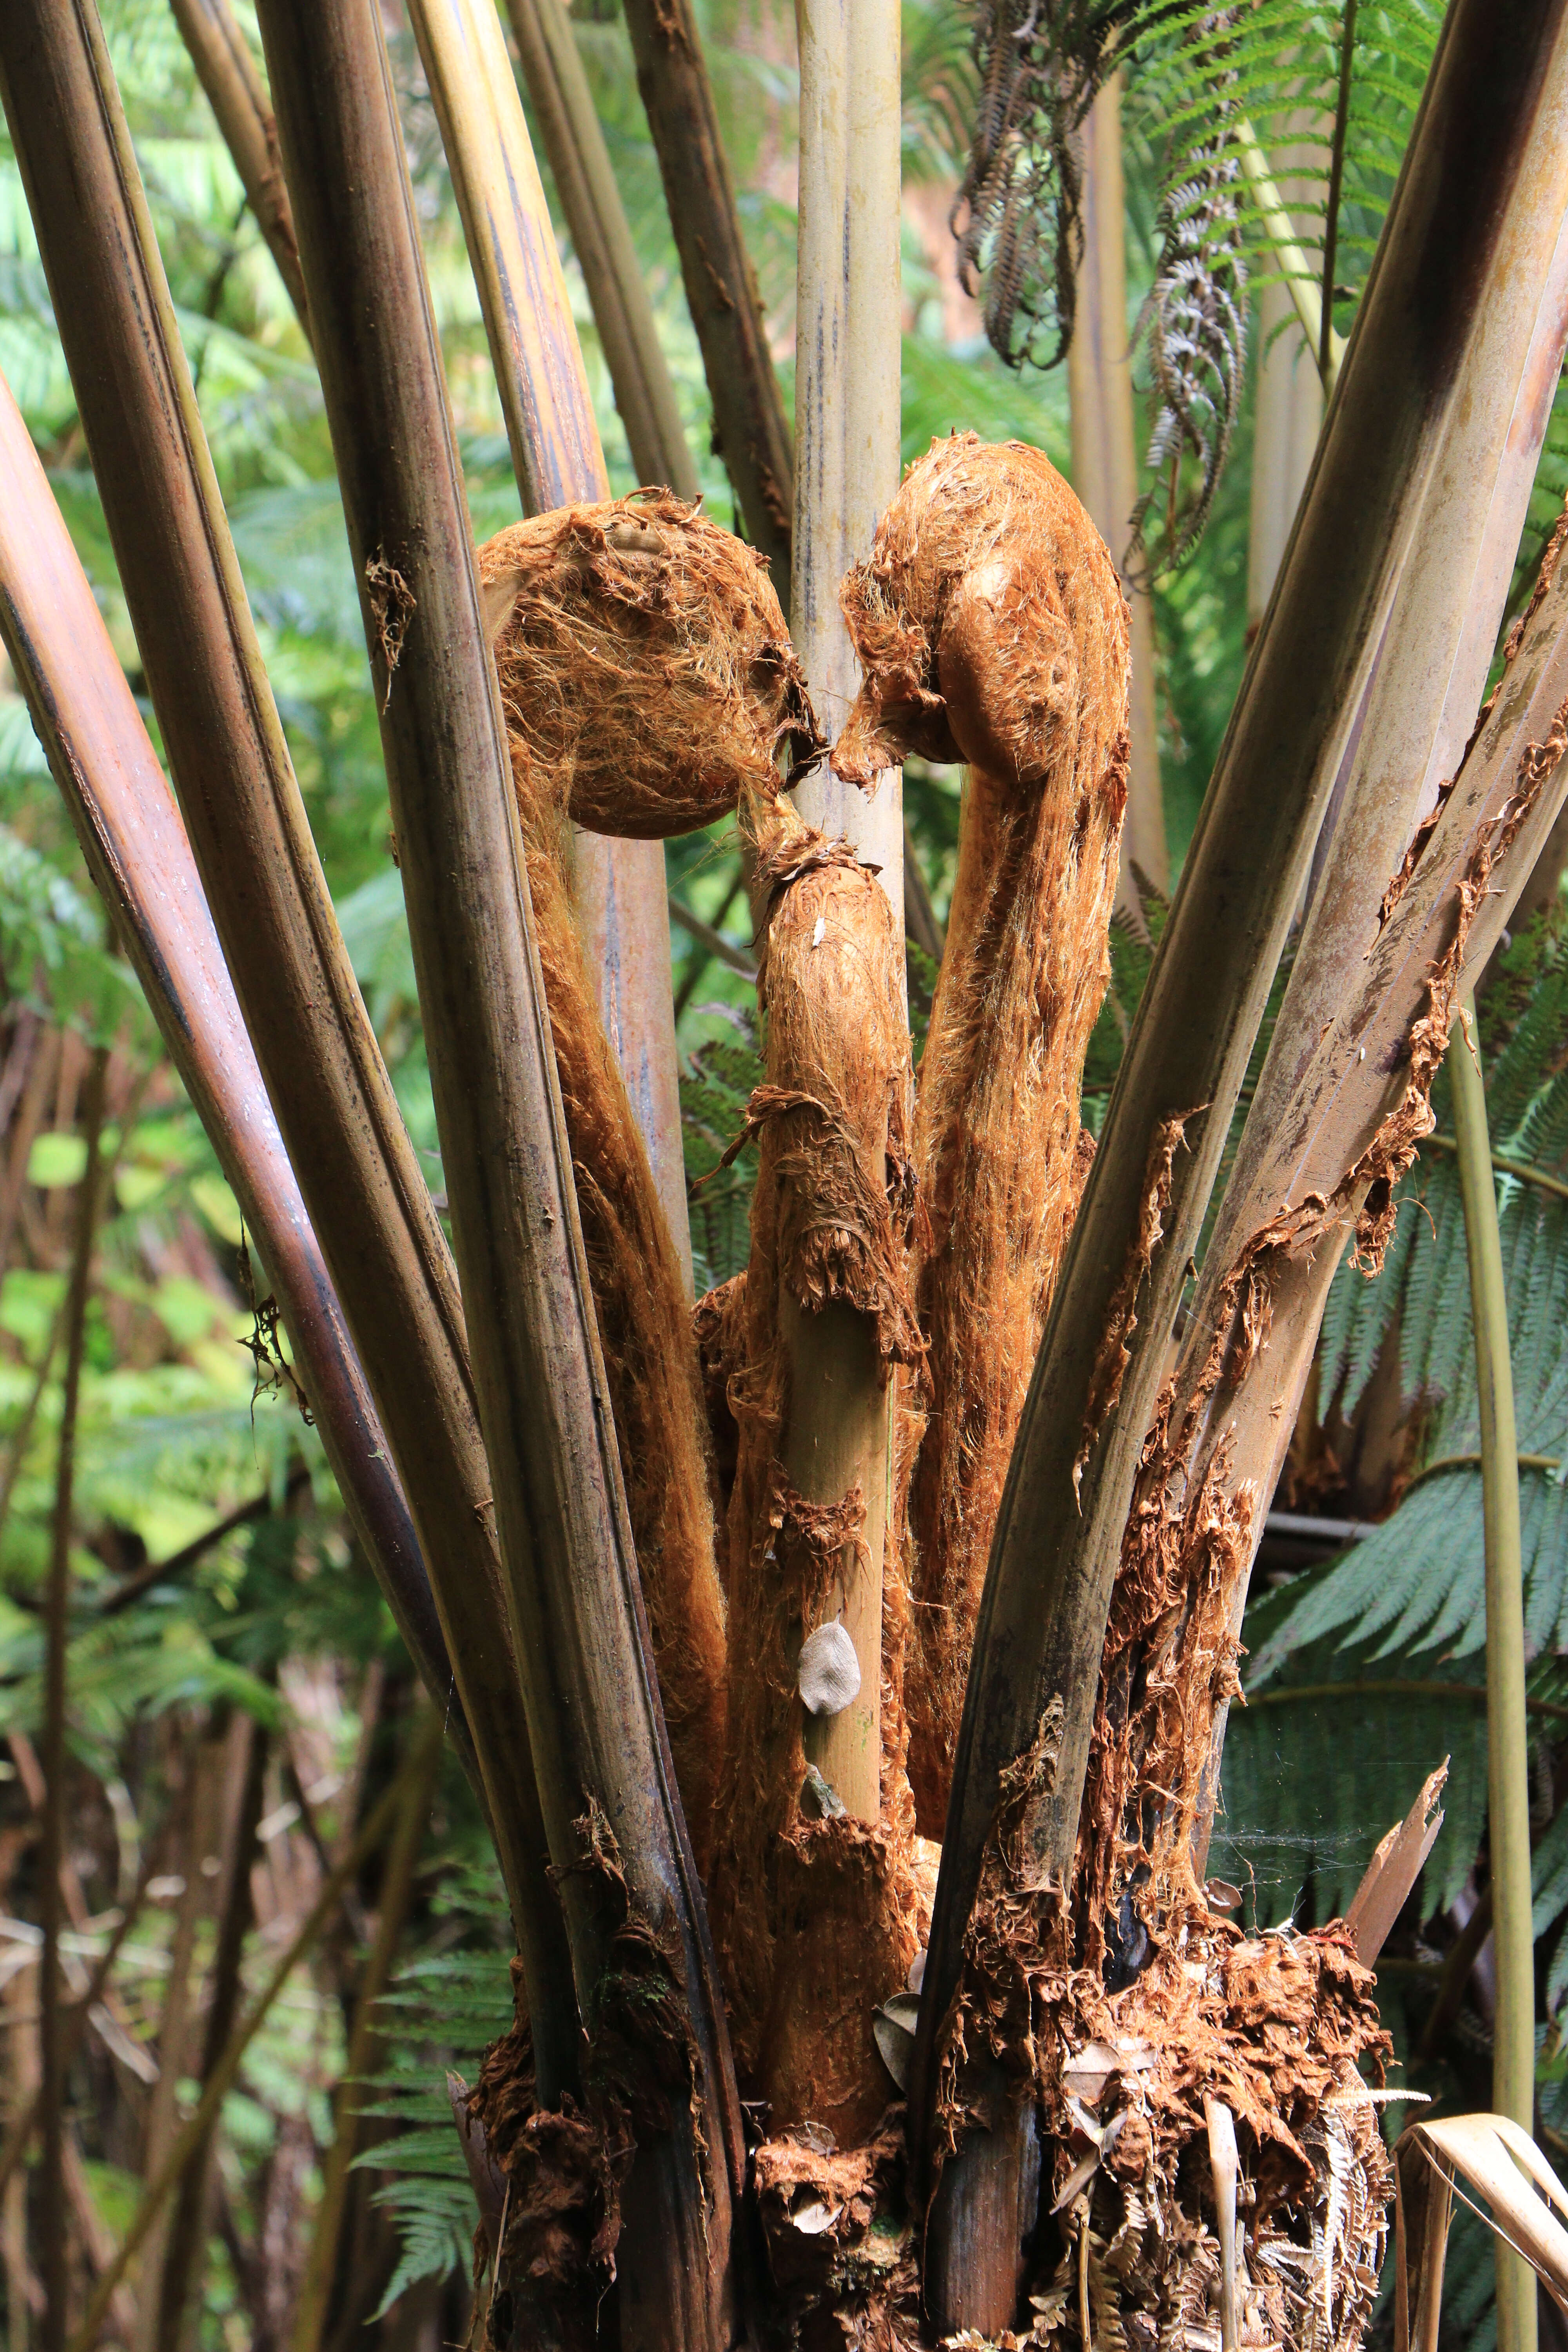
<point x="840" y="2245"/>
<point x="1277" y="2027"/>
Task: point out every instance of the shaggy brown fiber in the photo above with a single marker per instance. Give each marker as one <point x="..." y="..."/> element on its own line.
<point x="1169" y="1664"/>
<point x="647" y="678"/>
<point x="1275" y="2026"/>
<point x="992" y="629"/>
<point x="647" y="663"/>
<point x="815" y="1917"/>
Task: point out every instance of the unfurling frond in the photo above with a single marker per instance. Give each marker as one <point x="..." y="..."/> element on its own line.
<point x="1195" y="319"/>
<point x="1233" y="107"/>
<point x="1041" y="64"/>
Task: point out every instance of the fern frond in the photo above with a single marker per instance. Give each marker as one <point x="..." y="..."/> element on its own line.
<point x="1292" y="1832"/>
<point x="1208" y="88"/>
<point x="441" y="2011"/>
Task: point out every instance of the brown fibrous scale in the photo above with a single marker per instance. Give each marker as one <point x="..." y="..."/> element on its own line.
<point x="992" y="628"/>
<point x="815" y="1919"/>
<point x="647" y="681"/>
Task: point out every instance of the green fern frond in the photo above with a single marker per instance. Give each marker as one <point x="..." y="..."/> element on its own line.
<point x="1291" y="1831"/>
<point x="1208" y="88"/>
<point x="716" y="1087"/>
<point x="435" y="2222"/>
<point x="441" y="2011"/>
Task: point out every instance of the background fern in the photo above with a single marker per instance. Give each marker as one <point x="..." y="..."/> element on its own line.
<point x="442" y="2014"/>
<point x="1209" y="91"/>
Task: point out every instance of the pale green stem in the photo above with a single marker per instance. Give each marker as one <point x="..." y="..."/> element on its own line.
<point x="1300" y="278"/>
<point x="1508" y="1767"/>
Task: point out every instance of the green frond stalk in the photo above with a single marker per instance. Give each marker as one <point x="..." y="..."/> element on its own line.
<point x="1508" y="1753"/>
<point x="1304" y="289"/>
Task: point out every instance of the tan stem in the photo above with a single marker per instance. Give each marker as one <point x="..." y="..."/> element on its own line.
<point x="1105" y="464"/>
<point x="602" y="241"/>
<point x="176" y="2023"/>
<point x="846" y="441"/>
<point x="52" y="1838"/>
<point x="814" y="1914"/>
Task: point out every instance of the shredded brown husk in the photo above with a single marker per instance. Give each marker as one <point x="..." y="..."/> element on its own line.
<point x="646" y="678"/>
<point x="814" y="1918"/>
<point x="992" y="628"/>
<point x="1170" y="1660"/>
<point x="841" y="2247"/>
<point x="1276" y="2027"/>
<point x="647" y="661"/>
